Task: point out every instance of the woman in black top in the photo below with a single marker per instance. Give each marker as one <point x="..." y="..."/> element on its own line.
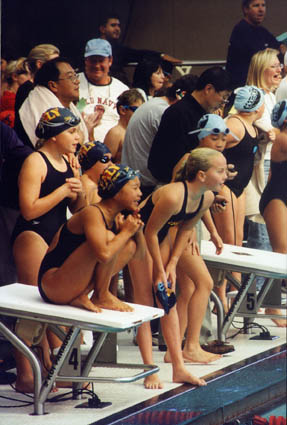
<point x="273" y="203"/>
<point x="240" y="151"/>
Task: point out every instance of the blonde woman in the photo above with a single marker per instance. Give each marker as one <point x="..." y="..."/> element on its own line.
<point x="265" y="73"/>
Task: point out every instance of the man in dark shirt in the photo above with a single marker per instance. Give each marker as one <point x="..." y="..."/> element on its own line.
<point x="173" y="140"/>
<point x="247" y="38"/>
<point x="110" y="30"/>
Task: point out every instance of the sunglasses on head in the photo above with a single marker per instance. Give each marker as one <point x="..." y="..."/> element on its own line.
<point x="131" y="108"/>
<point x="105" y="159"/>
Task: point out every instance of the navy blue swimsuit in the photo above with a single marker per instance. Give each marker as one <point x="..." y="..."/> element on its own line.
<point x="47" y="224"/>
<point x="68" y="242"/>
<point x="276" y="187"/>
<point x="175" y="219"/>
<point x="242" y="156"/>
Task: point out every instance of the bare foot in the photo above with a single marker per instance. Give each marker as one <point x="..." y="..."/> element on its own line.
<point x="182" y="376"/>
<point x="152" y="382"/>
<point x="83" y="301"/>
<point x="196" y="354"/>
<point x="281" y="323"/>
<point x="110" y="302"/>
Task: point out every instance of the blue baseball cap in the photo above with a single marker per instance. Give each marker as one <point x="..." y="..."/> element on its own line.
<point x="279" y="114"/>
<point x="54" y="121"/>
<point x="98" y="47"/>
<point x="248" y="98"/>
<point x="90" y="153"/>
<point x="210" y="124"/>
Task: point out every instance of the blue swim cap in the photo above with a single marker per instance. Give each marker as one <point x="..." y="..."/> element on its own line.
<point x="210" y="124"/>
<point x="90" y="153"/>
<point x="279" y="114"/>
<point x="54" y="121"/>
<point x="248" y="98"/>
<point x="114" y="178"/>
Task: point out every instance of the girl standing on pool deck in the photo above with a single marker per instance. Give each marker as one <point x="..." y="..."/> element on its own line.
<point x="180" y="204"/>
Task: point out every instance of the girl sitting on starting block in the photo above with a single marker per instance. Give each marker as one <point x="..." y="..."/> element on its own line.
<point x="91" y="246"/>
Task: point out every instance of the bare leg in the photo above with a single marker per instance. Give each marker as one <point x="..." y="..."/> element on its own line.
<point x="140" y="272"/>
<point x="275" y="216"/>
<point x="102" y="296"/>
<point x="195" y="268"/>
<point x="171" y="331"/>
<point x="229" y="224"/>
<point x="29" y="250"/>
<point x="186" y="291"/>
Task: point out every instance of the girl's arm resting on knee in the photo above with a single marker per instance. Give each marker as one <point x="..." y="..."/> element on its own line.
<point x="32" y="175"/>
<point x="182" y="239"/>
<point x="164" y="207"/>
<point x="154" y="250"/>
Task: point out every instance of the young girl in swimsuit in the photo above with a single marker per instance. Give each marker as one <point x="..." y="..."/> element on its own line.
<point x="179" y="205"/>
<point x="211" y="133"/>
<point x="240" y="151"/>
<point x="273" y="203"/>
<point x="47" y="186"/>
<point x="94" y="158"/>
<point x="90" y="247"/>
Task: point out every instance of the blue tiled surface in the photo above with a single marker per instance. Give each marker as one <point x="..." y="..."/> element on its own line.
<point x="224" y="391"/>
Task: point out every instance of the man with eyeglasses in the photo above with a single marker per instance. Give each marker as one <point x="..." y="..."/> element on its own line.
<point x="247" y="38"/>
<point x="173" y="138"/>
<point x="56" y="84"/>
<point x="98" y="90"/>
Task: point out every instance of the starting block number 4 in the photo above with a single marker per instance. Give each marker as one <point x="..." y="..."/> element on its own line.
<point x="72" y="364"/>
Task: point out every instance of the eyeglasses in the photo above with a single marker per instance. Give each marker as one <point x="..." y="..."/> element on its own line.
<point x="105" y="159"/>
<point x="278" y="66"/>
<point x="73" y="78"/>
<point x="225" y="99"/>
<point x="131" y="108"/>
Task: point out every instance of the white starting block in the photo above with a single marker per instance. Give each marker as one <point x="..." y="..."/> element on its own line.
<point x="24" y="301"/>
<point x="253" y="263"/>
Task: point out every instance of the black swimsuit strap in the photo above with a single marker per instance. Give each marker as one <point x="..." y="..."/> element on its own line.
<point x="242" y="122"/>
<point x="185" y="196"/>
<point x="104" y="218"/>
